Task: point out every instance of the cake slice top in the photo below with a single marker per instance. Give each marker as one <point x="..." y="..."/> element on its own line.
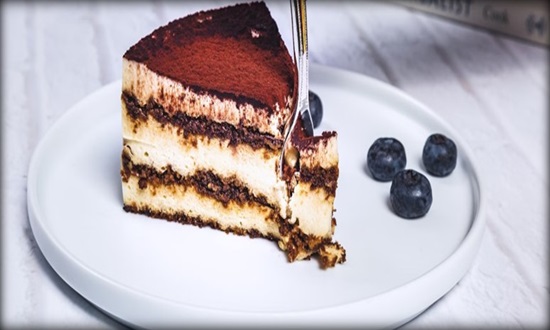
<point x="234" y="52"/>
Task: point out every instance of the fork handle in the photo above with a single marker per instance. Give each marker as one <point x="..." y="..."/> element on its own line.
<point x="300" y="43"/>
<point x="301" y="109"/>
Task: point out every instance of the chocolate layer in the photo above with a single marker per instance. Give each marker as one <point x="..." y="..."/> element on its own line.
<point x="199" y="126"/>
<point x="207" y="183"/>
<point x="183" y="218"/>
<point x="328" y="259"/>
<point x="298" y="242"/>
<point x="236" y="50"/>
<point x="225" y="191"/>
<point x="304" y="142"/>
<point x="321" y="178"/>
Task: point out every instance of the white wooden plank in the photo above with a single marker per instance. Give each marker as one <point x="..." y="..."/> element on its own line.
<point x="118" y="26"/>
<point x="491" y="295"/>
<point x="66" y="58"/>
<point x="17" y="283"/>
<point x="529" y="58"/>
<point x="335" y="40"/>
<point x="32" y="99"/>
<point x="67" y="69"/>
<point x="512" y="97"/>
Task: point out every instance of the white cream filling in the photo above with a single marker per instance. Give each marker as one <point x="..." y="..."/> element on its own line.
<point x="325" y="154"/>
<point x="157" y="146"/>
<point x="312" y="209"/>
<point x="171" y="200"/>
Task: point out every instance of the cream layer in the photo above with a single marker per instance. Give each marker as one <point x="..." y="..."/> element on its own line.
<point x="170" y="200"/>
<point x="174" y="200"/>
<point x="312" y="209"/>
<point x="145" y="84"/>
<point x="324" y="153"/>
<point x="156" y="145"/>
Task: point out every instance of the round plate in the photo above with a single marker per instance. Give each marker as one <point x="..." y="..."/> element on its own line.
<point x="150" y="273"/>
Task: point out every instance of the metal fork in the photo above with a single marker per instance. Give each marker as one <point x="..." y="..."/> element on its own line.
<point x="299" y="38"/>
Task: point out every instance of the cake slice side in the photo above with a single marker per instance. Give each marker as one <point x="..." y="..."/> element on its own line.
<point x="167" y="175"/>
<point x="202" y="138"/>
<point x="313" y="175"/>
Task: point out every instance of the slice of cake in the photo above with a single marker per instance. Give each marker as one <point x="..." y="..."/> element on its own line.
<point x="204" y="103"/>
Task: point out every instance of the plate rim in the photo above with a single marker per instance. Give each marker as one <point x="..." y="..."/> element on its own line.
<point x="71" y="269"/>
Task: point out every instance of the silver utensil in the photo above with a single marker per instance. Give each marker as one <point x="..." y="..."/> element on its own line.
<point x="299" y="38"/>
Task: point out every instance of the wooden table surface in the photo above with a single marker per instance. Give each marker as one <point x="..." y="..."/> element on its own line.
<point x="492" y="89"/>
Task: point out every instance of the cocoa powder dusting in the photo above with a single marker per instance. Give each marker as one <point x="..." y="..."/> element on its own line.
<point x="235" y="50"/>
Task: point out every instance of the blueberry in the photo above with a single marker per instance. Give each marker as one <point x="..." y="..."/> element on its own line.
<point x="315" y="108"/>
<point x="439" y="155"/>
<point x="410" y="194"/>
<point x="308" y="125"/>
<point x="386" y="157"/>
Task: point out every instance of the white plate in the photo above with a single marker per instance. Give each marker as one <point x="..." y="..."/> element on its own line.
<point x="152" y="273"/>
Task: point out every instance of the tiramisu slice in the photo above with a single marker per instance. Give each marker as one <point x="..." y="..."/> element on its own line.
<point x="204" y="103"/>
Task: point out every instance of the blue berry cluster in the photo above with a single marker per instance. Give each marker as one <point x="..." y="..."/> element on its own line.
<point x="411" y="191"/>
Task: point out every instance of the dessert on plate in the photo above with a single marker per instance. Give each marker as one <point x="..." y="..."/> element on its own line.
<point x="205" y="100"/>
